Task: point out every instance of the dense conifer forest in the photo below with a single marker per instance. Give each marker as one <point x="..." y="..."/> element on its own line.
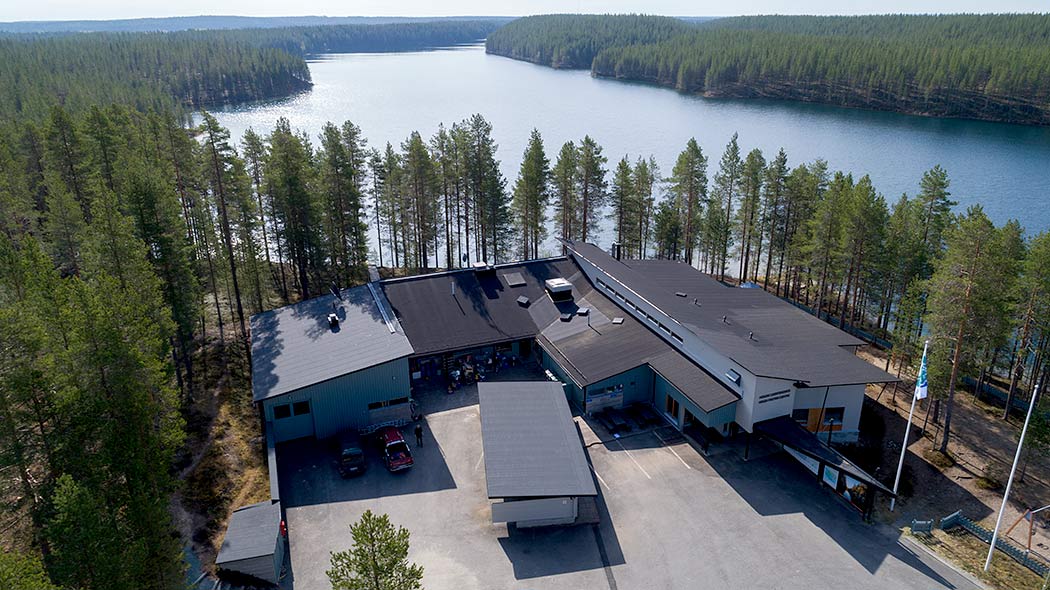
<point x="134" y="248"/>
<point x="186" y="70"/>
<point x="991" y="67"/>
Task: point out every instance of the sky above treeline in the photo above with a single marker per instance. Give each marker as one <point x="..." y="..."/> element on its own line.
<point x="15" y="10"/>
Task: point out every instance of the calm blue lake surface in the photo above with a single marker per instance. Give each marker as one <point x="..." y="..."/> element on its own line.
<point x="1002" y="167"/>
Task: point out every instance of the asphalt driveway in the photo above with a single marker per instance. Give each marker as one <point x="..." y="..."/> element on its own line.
<point x="671" y="519"/>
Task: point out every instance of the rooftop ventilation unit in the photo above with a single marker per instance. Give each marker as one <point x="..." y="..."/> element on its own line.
<point x="680" y="294"/>
<point x="559" y="288"/>
<point x="523" y="301"/>
<point x="482" y="267"/>
<point x="617" y="321"/>
<point x="583" y="311"/>
<point x="733" y="376"/>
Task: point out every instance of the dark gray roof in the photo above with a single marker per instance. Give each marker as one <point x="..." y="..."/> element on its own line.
<point x="252" y="532"/>
<point x="601" y="348"/>
<point x="294" y="347"/>
<point x="484" y="309"/>
<point x="695" y="383"/>
<point x="788" y="343"/>
<point x="788" y="432"/>
<point x="532" y="448"/>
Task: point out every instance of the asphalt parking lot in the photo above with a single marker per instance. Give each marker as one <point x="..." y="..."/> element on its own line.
<point x="671" y="519"/>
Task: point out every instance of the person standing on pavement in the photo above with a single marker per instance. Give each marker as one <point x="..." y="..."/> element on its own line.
<point x="419" y="435"/>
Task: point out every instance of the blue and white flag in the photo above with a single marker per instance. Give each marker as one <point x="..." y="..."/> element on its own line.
<point x="920" y="383"/>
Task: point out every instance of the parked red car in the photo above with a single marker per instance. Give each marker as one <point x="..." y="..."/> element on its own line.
<point x="396" y="454"/>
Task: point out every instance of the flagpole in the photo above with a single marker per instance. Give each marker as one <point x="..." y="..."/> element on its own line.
<point x="1010" y="482"/>
<point x="907" y="430"/>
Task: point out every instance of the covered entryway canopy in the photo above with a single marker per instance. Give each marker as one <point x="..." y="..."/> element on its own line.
<point x="534" y="460"/>
<point x="843" y="476"/>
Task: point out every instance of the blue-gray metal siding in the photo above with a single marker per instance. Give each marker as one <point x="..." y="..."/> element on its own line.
<point x="575" y="394"/>
<point x="715" y="419"/>
<point x="641" y="391"/>
<point x="342" y="403"/>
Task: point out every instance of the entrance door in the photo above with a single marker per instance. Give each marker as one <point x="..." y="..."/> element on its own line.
<point x="688" y="420"/>
<point x="671" y="407"/>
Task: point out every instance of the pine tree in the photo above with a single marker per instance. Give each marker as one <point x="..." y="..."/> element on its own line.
<point x="645" y="176"/>
<point x="219" y="155"/>
<point x="566" y="204"/>
<point x="688" y="185"/>
<point x="289" y="181"/>
<point x="747" y="216"/>
<point x="531" y="196"/>
<point x="378" y="559"/>
<point x="421" y="198"/>
<point x="726" y="186"/>
<point x="966" y="297"/>
<point x="65" y="157"/>
<point x="591" y="185"/>
<point x="625" y="205"/>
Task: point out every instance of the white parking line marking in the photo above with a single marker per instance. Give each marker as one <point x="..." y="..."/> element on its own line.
<point x="673" y="452"/>
<point x="636" y="463"/>
<point x="480" y="459"/>
<point x="602" y="481"/>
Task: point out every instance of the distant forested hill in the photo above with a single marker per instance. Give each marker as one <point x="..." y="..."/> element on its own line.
<point x="572" y="41"/>
<point x="991" y="67"/>
<point x="190" y="69"/>
<point x="186" y="23"/>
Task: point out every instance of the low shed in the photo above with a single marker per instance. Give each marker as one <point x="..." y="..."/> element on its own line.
<point x="534" y="459"/>
<point x="254" y="543"/>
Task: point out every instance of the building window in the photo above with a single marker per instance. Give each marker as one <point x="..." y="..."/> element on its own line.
<point x="282" y="411"/>
<point x="665" y="328"/>
<point x="387" y="403"/>
<point x="620" y="297"/>
<point x="834" y="416"/>
<point x="301" y="408"/>
<point x="801" y="416"/>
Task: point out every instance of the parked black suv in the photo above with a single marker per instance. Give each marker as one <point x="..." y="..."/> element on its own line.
<point x="352" y="460"/>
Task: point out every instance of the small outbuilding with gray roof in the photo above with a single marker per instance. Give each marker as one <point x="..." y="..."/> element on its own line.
<point x="254" y="543"/>
<point x="534" y="458"/>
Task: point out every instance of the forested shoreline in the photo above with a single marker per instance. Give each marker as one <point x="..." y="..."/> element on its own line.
<point x="134" y="247"/>
<point x="189" y="70"/>
<point x="986" y="67"/>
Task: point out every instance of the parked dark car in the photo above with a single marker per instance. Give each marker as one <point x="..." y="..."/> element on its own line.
<point x="352" y="461"/>
<point x="396" y="454"/>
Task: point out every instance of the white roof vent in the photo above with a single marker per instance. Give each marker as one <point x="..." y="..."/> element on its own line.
<point x="333" y="320"/>
<point x="558" y="285"/>
<point x="480" y="266"/>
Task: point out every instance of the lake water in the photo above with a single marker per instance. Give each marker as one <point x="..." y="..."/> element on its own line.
<point x="1002" y="167"/>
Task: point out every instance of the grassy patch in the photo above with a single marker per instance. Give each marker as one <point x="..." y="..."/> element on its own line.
<point x="938" y="459"/>
<point x="230" y="469"/>
<point x="968" y="553"/>
<point x="991" y="478"/>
